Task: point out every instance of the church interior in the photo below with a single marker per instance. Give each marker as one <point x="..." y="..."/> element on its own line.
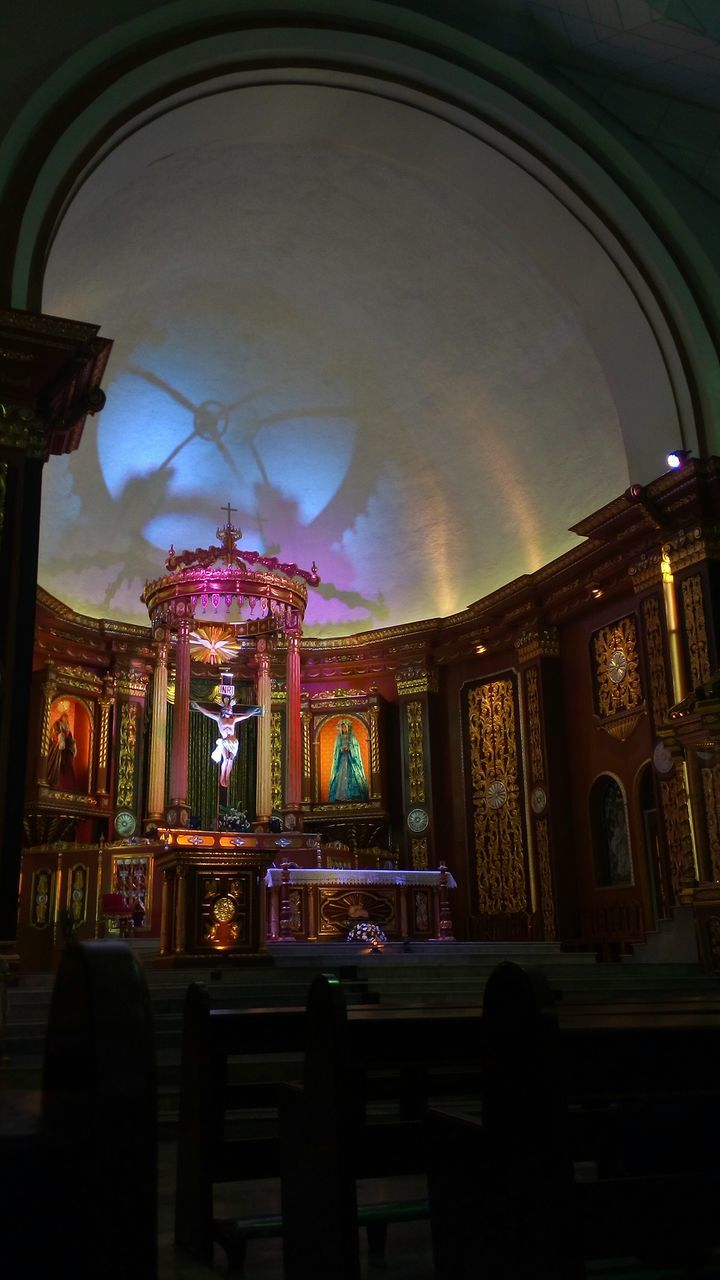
<point x="360" y="554"/>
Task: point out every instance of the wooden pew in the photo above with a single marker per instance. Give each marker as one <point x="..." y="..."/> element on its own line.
<point x="216" y="1040"/>
<point x="625" y="1092"/>
<point x="330" y="1136"/>
<point x="206" y="1156"/>
<point x="80" y="1185"/>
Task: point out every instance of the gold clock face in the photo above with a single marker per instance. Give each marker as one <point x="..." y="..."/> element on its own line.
<point x="617" y="666"/>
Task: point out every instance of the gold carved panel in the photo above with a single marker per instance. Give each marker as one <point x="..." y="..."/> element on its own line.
<point x="41" y="898"/>
<point x="542" y="841"/>
<point x="276" y="761"/>
<point x="711" y="792"/>
<point x="695" y="631"/>
<point x="419" y="853"/>
<point x="416" y="758"/>
<point x="496" y="808"/>
<point x="126" y="760"/>
<point x="422" y="911"/>
<point x="537" y="769"/>
<point x="78" y="893"/>
<point x="340" y="909"/>
<point x="677" y="831"/>
<point x="618" y="688"/>
<point x="224" y="909"/>
<point x="655" y="652"/>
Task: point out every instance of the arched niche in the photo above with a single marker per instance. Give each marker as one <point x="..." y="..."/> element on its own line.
<point x="342" y="744"/>
<point x="69" y="760"/>
<point x="610" y="830"/>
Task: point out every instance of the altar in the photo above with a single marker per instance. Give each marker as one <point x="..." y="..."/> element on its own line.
<point x="318" y="904"/>
<point x="213" y="888"/>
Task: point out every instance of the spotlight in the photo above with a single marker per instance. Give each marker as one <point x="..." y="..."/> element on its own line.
<point x="480" y="648"/>
<point x="596" y="590"/>
<point x="677" y="458"/>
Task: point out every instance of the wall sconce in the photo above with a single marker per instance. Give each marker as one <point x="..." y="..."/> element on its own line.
<point x="677" y="458"/>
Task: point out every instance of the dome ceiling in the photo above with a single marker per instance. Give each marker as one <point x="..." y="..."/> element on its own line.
<point x="390" y="348"/>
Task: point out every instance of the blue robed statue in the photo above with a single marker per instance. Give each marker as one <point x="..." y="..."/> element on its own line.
<point x="347" y="778"/>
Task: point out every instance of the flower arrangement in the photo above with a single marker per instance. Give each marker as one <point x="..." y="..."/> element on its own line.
<point x="367" y="933"/>
<point x="233" y="820"/>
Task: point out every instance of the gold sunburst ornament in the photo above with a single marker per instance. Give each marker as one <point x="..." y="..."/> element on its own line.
<point x="214" y="645"/>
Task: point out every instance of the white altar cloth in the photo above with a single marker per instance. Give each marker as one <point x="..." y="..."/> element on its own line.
<point x="328" y="876"/>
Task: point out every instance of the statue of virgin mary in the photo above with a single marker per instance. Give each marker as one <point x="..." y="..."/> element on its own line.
<point x="347" y="777"/>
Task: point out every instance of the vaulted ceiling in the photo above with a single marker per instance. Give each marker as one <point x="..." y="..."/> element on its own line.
<point x="390" y="343"/>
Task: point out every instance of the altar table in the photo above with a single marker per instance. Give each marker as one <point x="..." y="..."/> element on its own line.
<point x="321" y="904"/>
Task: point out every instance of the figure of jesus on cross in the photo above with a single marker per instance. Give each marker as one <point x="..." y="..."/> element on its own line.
<point x="226" y="716"/>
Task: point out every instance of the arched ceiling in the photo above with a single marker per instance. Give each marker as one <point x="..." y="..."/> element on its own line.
<point x="386" y="343"/>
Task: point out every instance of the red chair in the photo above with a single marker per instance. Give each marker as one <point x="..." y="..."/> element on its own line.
<point x="117" y="913"/>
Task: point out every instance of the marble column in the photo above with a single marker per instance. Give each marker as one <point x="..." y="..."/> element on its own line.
<point x="181" y="723"/>
<point x="263" y="801"/>
<point x="293" y="725"/>
<point x="158" y="742"/>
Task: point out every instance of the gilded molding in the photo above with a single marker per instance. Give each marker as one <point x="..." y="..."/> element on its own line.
<point x="691" y="546"/>
<point x="416" y="679"/>
<point x="78" y="678"/>
<point x="697" y="642"/>
<point x="357" y="806"/>
<point x="67" y="614"/>
<point x="366" y="637"/>
<point x="537" y="642"/>
<point x="646" y="572"/>
<point x="278" y="692"/>
<point x="131" y="683"/>
<point x="416" y="754"/>
<point x="343" y="698"/>
<point x="419" y="853"/>
<point x="654" y="649"/>
<point x="73" y="798"/>
<point x="494" y="765"/>
<point x="126" y="757"/>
